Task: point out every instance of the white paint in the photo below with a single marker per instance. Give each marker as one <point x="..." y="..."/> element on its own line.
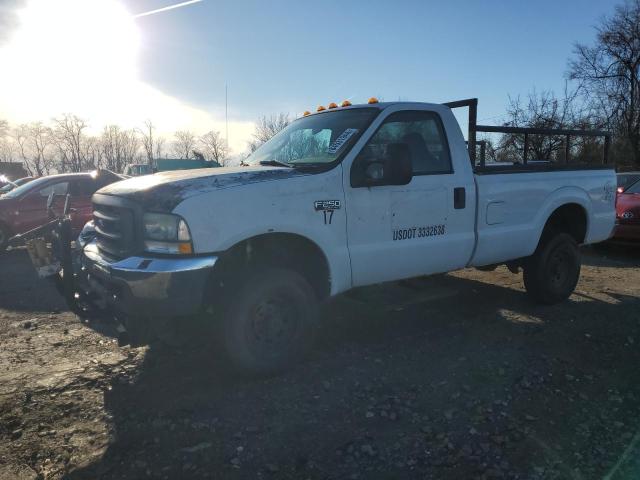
<point x="359" y="245"/>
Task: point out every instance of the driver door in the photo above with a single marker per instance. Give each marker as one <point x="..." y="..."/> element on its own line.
<point x="32" y="209"/>
<point x="402" y="231"/>
<point x="80" y="190"/>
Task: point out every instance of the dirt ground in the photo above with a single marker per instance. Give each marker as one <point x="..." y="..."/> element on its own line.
<point x="454" y="377"/>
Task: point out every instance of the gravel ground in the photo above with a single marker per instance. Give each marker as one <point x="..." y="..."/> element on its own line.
<point x="450" y="377"/>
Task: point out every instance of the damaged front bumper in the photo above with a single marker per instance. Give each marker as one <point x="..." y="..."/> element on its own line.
<point x="145" y="286"/>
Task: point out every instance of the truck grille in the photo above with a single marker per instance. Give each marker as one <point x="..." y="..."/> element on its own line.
<point x="115" y="234"/>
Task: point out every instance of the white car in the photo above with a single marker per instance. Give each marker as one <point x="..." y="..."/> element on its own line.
<point x="344" y="197"/>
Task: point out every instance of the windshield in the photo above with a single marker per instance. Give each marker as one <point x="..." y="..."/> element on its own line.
<point x="635" y="188"/>
<point x="316" y="139"/>
<point x="626" y="179"/>
<point x="27" y="187"/>
<point x="11" y="186"/>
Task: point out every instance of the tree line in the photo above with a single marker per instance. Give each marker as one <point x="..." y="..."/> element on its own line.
<point x="602" y="92"/>
<point x="65" y="145"/>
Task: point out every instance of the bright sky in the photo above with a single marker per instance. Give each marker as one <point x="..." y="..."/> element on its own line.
<point x="92" y="58"/>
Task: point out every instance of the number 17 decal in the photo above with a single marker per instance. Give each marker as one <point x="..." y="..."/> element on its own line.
<point x="327" y="207"/>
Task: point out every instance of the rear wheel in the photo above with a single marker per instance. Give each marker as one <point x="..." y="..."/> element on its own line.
<point x="552" y="272"/>
<point x="270" y="323"/>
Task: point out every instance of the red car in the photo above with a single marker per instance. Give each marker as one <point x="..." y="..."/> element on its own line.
<point x="628" y="215"/>
<point x="25" y="207"/>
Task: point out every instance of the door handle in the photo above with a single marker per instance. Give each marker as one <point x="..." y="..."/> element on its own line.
<point x="459" y="198"/>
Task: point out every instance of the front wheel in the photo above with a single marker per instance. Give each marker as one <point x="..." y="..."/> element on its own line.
<point x="552" y="272"/>
<point x="271" y="322"/>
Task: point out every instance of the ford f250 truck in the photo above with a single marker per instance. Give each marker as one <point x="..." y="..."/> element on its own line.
<point x="344" y="197"/>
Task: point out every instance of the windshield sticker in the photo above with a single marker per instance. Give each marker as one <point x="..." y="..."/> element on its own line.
<point x="341" y="140"/>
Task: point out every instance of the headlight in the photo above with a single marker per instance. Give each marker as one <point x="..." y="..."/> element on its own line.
<point x="166" y="233"/>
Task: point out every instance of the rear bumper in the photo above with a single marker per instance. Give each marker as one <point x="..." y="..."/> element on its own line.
<point x="146" y="286"/>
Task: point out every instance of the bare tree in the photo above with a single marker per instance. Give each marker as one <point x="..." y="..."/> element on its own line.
<point x="40" y="140"/>
<point x="69" y="137"/>
<point x="91" y="153"/>
<point x="609" y="73"/>
<point x="267" y="127"/>
<point x="149" y="142"/>
<point x="20" y="135"/>
<point x="214" y="147"/>
<point x="119" y="147"/>
<point x="159" y="148"/>
<point x="6" y="144"/>
<point x="130" y="146"/>
<point x="185" y="142"/>
<point x="111" y="149"/>
<point x="539" y="110"/>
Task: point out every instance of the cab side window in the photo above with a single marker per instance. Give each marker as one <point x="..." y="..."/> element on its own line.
<point x="423" y="135"/>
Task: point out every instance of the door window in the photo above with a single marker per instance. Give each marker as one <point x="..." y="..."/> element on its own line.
<point x="423" y="135"/>
<point x="59" y="188"/>
<point x="83" y="187"/>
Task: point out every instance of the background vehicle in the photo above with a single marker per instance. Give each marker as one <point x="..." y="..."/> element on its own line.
<point x="10" y="186"/>
<point x="25" y="207"/>
<point x="342" y="198"/>
<point x="627" y="179"/>
<point x="167" y="165"/>
<point x="170" y="164"/>
<point x="628" y="215"/>
<point x="137" y="169"/>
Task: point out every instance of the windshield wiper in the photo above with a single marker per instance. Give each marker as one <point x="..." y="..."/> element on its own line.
<point x="275" y="163"/>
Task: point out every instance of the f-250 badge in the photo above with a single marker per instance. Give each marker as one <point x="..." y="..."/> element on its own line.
<point x="327" y="207"/>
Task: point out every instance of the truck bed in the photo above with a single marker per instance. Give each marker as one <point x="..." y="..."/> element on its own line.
<point x="514" y="204"/>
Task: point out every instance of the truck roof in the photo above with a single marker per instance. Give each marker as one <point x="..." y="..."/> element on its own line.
<point x="378" y="105"/>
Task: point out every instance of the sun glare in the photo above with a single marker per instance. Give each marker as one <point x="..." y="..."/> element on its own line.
<point x="68" y="53"/>
<point x="81" y="57"/>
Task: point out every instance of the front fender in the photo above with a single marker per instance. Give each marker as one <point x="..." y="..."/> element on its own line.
<point x="221" y="219"/>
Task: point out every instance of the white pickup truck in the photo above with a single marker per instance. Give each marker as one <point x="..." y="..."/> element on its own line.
<point x="344" y="197"/>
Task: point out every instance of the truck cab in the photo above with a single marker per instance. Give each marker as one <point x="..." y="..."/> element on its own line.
<point x="345" y="197"/>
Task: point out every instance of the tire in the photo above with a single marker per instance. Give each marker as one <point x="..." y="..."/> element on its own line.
<point x="552" y="272"/>
<point x="270" y="324"/>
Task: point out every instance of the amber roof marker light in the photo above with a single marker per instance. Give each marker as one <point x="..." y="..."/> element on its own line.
<point x="333" y="105"/>
<point x="372" y="100"/>
<point x="306" y="113"/>
<point x="346" y="103"/>
<point x="320" y="108"/>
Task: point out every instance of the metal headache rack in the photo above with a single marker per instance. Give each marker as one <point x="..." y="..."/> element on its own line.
<point x="474" y="128"/>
